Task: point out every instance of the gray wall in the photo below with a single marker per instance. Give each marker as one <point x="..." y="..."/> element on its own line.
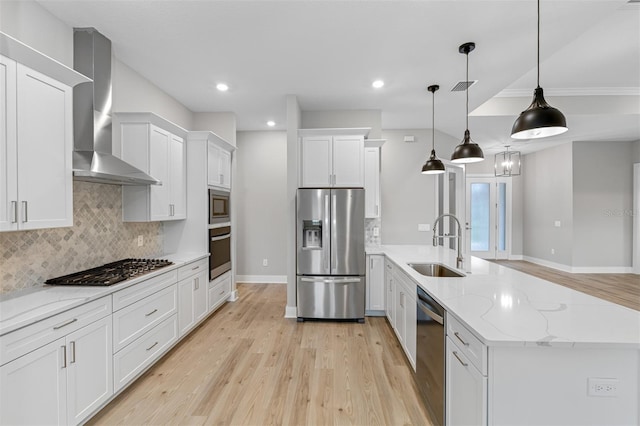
<point x="294" y="122"/>
<point x="408" y="196"/>
<point x="221" y="123"/>
<point x="344" y="119"/>
<point x="548" y="189"/>
<point x="602" y="202"/>
<point x="636" y="151"/>
<point x="261" y="184"/>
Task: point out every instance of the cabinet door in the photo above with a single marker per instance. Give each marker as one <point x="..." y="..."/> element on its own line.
<point x="400" y="317"/>
<point x="348" y="161"/>
<point x="200" y="295"/>
<point x="177" y="178"/>
<point x="316" y="169"/>
<point x="389" y="301"/>
<point x="466" y="389"/>
<point x="8" y="145"/>
<point x="375" y="283"/>
<point x="372" y="182"/>
<point x="225" y="169"/>
<point x="214" y="171"/>
<point x="159" y="168"/>
<point x="33" y="388"/>
<point x="44" y="126"/>
<point x="185" y="305"/>
<point x="411" y="320"/>
<point x="90" y="369"/>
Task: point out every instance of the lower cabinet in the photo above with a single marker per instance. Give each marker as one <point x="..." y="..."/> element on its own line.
<point x="62" y="382"/>
<point x="219" y="291"/>
<point x="375" y="285"/>
<point x="466" y="399"/>
<point x="192" y="295"/>
<point x="389" y="299"/>
<point x="405" y="315"/>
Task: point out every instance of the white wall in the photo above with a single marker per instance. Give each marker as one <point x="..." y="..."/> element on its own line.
<point x="261" y="184"/>
<point x="221" y="123"/>
<point x="294" y="122"/>
<point x="548" y="197"/>
<point x="602" y="204"/>
<point x="344" y="119"/>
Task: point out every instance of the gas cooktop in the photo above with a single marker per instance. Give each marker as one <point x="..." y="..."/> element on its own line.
<point x="111" y="273"/>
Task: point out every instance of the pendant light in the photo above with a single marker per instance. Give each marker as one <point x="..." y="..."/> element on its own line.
<point x="433" y="166"/>
<point x="507" y="163"/>
<point x="540" y="119"/>
<point x="468" y="151"/>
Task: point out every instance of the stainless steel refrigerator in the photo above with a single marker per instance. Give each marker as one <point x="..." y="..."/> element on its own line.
<point x="330" y="253"/>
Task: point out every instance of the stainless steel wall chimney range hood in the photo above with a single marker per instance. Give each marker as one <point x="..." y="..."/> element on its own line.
<point x="93" y="160"/>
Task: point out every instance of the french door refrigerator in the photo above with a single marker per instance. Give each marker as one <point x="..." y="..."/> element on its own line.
<point x="330" y="253"/>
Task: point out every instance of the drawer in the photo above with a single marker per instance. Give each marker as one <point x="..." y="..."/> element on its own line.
<point x="192" y="268"/>
<point x="143" y="289"/>
<point x="134" y="320"/>
<point x="219" y="291"/>
<point x="26" y="339"/>
<point x="136" y="357"/>
<point x="469" y="345"/>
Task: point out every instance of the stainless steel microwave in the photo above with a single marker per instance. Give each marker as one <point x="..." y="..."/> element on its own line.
<point x="219" y="206"/>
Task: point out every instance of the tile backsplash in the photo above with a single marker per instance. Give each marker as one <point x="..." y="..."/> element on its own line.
<point x="370" y="225"/>
<point x="98" y="236"/>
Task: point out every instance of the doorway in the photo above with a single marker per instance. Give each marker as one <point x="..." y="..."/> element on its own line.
<point x="450" y="194"/>
<point x="488" y="217"/>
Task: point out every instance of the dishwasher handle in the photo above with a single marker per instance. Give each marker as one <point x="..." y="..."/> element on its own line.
<point x="424" y="307"/>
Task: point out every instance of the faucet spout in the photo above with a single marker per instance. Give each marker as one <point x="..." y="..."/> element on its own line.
<point x="459" y="258"/>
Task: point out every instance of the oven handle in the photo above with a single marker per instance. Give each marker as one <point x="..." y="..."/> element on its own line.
<point x="425" y="308"/>
<point x="224" y="237"/>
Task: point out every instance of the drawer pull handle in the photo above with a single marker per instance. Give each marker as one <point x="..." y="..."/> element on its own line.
<point x="460" y="338"/>
<point x="152" y="346"/>
<point x="58" y="327"/>
<point x="195" y="267"/>
<point x="151" y="313"/>
<point x="464" y="364"/>
<point x="14" y="210"/>
<point x="72" y="347"/>
<point x="64" y="356"/>
<point x="222" y="292"/>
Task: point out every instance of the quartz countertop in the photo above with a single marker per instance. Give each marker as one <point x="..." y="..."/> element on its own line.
<point x="24" y="307"/>
<point x="505" y="307"/>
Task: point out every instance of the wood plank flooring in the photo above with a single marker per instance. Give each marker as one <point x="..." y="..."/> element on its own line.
<point x="623" y="289"/>
<point x="247" y="365"/>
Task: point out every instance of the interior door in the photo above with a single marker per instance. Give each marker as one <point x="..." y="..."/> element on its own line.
<point x="488" y="217"/>
<point x="450" y="193"/>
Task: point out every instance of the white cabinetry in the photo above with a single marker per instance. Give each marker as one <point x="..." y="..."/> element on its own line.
<point x="466" y="376"/>
<point x="389" y="285"/>
<point x="66" y="376"/>
<point x="36" y="143"/>
<point x="332" y="159"/>
<point x="157" y="147"/>
<point x="192" y="295"/>
<point x="372" y="180"/>
<point x="218" y="164"/>
<point x="405" y="315"/>
<point x="219" y="291"/>
<point x="375" y="284"/>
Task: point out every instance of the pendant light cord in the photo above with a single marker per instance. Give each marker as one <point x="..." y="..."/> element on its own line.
<point x="467" y="89"/>
<point x="433" y="120"/>
<point x="538" y="82"/>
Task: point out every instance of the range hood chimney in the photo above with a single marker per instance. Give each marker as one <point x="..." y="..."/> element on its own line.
<point x="93" y="160"/>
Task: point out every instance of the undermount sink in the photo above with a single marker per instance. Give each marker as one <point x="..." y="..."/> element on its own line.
<point x="435" y="270"/>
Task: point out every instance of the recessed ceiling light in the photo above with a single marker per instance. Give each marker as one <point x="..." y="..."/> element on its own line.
<point x="271" y="123"/>
<point x="222" y="87"/>
<point x="377" y="84"/>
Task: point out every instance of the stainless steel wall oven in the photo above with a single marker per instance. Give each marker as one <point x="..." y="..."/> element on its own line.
<point x="219" y="251"/>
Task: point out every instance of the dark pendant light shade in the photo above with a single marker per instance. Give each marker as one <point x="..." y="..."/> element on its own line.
<point x="433" y="166"/>
<point x="468" y="151"/>
<point x="540" y="120"/>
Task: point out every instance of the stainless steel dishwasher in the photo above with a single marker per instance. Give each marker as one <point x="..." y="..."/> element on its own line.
<point x="430" y="355"/>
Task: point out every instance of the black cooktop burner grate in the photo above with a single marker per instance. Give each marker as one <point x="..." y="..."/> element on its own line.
<point x="111" y="273"/>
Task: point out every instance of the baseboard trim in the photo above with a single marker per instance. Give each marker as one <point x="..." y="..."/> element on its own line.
<point x="291" y="312"/>
<point x="516" y="257"/>
<point x="581" y="269"/>
<point x="262" y="279"/>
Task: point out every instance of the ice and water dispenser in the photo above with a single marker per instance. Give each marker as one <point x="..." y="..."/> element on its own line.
<point x="312" y="234"/>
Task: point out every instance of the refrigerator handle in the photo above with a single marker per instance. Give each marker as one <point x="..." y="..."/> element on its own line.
<point x="334" y="250"/>
<point x="326" y="231"/>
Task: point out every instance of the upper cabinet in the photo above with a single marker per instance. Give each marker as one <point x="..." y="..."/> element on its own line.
<point x="219" y="162"/>
<point x="157" y="147"/>
<point x="332" y="158"/>
<point x="36" y="138"/>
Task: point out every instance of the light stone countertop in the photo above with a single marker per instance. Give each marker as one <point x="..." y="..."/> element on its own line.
<point x="24" y="307"/>
<point x="505" y="307"/>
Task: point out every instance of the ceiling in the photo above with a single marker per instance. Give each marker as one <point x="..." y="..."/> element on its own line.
<point x="327" y="53"/>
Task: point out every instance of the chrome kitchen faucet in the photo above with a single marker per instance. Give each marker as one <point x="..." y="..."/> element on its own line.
<point x="459" y="259"/>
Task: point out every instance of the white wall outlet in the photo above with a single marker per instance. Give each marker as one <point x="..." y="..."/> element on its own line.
<point x="265" y="262"/>
<point x="376" y="231"/>
<point x="409" y="138"/>
<point x="140" y="240"/>
<point x="556" y="224"/>
<point x="602" y="387"/>
<point x="424" y="227"/>
<point x="553" y="251"/>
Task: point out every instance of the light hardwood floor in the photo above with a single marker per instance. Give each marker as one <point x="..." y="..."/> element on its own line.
<point x="623" y="289"/>
<point x="247" y="365"/>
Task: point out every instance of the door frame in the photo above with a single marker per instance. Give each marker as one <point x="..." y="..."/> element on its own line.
<point x="636" y="218"/>
<point x="483" y="178"/>
<point x="460" y="201"/>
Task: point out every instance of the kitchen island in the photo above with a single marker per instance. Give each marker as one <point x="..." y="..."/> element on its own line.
<point x="545" y="354"/>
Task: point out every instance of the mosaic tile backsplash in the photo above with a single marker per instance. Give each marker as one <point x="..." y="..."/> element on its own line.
<point x="370" y="238"/>
<point x="98" y="236"/>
